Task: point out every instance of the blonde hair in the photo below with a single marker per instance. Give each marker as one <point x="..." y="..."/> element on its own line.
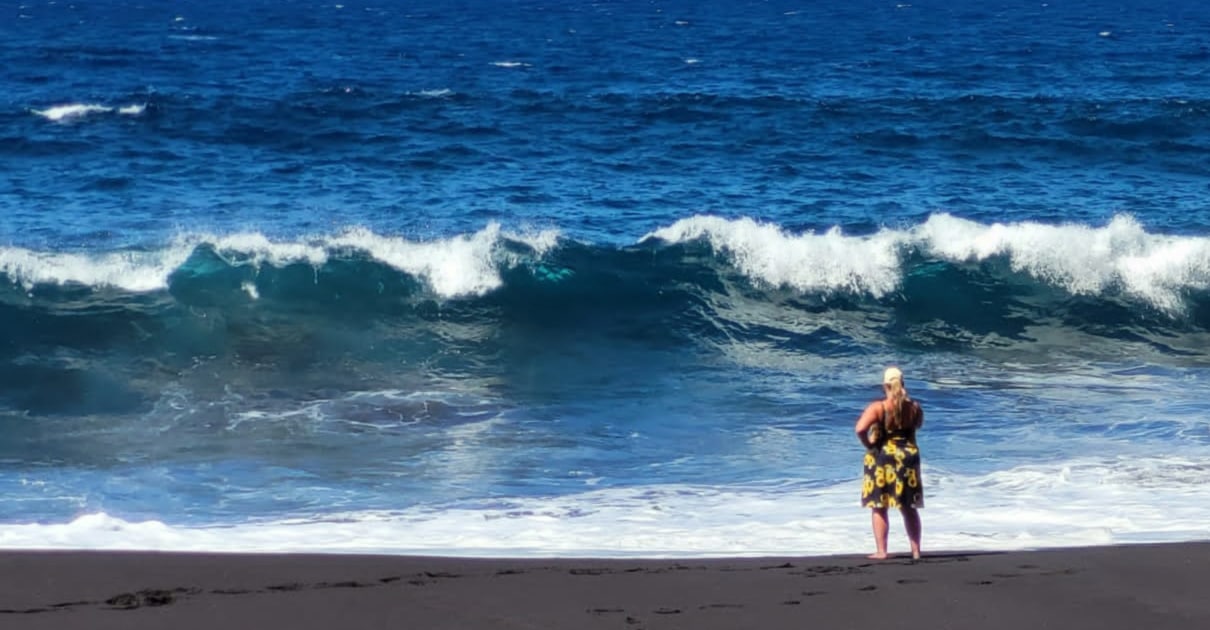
<point x="900" y="401"/>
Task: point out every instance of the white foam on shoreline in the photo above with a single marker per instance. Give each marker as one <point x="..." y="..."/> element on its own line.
<point x="1029" y="507"/>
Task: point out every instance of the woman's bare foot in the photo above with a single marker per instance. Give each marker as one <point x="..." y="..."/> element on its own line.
<point x="878" y="556"/>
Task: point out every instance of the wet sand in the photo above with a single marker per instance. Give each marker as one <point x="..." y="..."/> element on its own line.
<point x="1106" y="588"/>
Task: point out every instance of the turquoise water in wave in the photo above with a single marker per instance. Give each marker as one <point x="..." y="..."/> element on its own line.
<point x="613" y="278"/>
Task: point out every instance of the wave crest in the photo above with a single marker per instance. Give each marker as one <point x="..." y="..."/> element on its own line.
<point x="460" y="266"/>
<point x="810" y="262"/>
<point x="1117" y="261"/>
<point x="1082" y="260"/>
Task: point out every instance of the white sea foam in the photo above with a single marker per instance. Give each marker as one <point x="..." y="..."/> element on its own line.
<point x="257" y="248"/>
<point x="1120" y="257"/>
<point x="807" y="262"/>
<point x="1081" y="259"/>
<point x="75" y="111"/>
<point x="463" y="265"/>
<point x="1152" y="500"/>
<point x="71" y="111"/>
<point x="510" y="64"/>
<point x="132" y="271"/>
<point x="458" y="266"/>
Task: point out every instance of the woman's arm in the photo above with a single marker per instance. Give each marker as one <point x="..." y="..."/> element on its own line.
<point x="867" y="420"/>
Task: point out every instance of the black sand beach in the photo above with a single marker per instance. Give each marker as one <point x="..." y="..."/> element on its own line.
<point x="1106" y="588"/>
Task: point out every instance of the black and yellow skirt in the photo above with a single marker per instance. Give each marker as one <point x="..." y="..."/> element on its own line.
<point x="891" y="476"/>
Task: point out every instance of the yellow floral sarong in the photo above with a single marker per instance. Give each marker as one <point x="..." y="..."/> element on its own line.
<point x="891" y="475"/>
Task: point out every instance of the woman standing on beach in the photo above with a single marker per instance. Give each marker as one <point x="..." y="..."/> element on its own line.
<point x="887" y="428"/>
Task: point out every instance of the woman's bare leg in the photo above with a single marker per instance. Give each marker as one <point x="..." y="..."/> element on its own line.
<point x="879" y="522"/>
<point x="911" y="524"/>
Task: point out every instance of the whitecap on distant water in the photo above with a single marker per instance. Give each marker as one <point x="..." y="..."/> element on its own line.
<point x="76" y="111"/>
<point x="693" y="60"/>
<point x="71" y="111"/>
<point x="443" y="92"/>
<point x="510" y="64"/>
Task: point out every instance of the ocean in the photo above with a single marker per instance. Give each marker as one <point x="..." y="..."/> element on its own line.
<point x="532" y="278"/>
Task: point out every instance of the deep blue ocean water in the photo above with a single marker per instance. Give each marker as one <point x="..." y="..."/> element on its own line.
<point x="599" y="278"/>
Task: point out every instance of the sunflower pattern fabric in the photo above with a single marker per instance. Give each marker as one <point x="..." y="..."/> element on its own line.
<point x="891" y="476"/>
